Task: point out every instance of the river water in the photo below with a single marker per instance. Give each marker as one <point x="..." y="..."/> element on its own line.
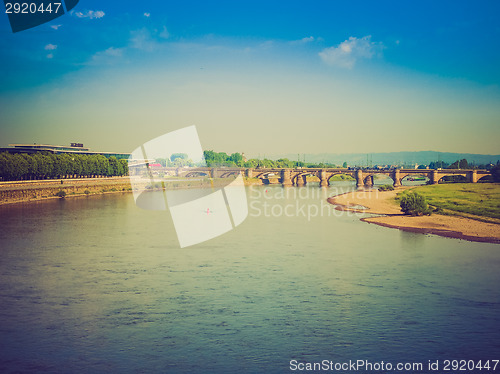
<point x="97" y="285"/>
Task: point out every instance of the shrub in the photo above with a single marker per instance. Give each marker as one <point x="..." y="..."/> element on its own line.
<point x="86" y="192"/>
<point x="414" y="204"/>
<point x="386" y="187"/>
<point x="61" y="193"/>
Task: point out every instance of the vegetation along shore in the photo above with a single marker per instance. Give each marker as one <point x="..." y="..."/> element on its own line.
<point x="459" y="210"/>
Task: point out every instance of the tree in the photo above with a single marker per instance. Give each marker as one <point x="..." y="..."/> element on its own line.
<point x="495" y="172"/>
<point x="236" y="158"/>
<point x="175" y="156"/>
<point x="114" y="167"/>
<point x="102" y="165"/>
<point x="21" y="166"/>
<point x="414" y="204"/>
<point x="124" y="164"/>
<point x="462" y="164"/>
<point x="344" y="165"/>
<point x="163" y="161"/>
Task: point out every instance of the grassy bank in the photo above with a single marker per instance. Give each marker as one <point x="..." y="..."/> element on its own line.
<point x="465" y="199"/>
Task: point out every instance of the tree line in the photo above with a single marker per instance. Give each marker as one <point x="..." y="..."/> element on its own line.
<point x="459" y="164"/>
<point x="214" y="159"/>
<point x="44" y="165"/>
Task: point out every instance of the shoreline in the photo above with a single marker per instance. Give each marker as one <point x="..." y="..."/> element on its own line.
<point x="16" y="192"/>
<point x="389" y="215"/>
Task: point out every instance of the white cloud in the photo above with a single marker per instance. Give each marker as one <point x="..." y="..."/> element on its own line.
<point x="107" y="56"/>
<point x="303" y="40"/>
<point x="55" y="27"/>
<point x="50" y="55"/>
<point x="349" y="51"/>
<point x="164" y="33"/>
<point x="141" y="39"/>
<point x="91" y="14"/>
<point x="115" y="52"/>
<point x="50" y="47"/>
<point x="147" y="15"/>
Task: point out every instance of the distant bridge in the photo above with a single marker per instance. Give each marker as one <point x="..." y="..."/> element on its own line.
<point x="298" y="176"/>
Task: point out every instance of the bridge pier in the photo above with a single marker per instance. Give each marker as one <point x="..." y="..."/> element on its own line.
<point x="249" y="173"/>
<point x="396" y="178"/>
<point x="359" y="178"/>
<point x="286" y="180"/>
<point x="301" y="180"/>
<point x="323" y="180"/>
<point x="369" y="181"/>
<point x="434" y="177"/>
<point x="472" y="176"/>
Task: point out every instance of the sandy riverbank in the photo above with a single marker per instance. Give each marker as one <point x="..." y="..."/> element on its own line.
<point x="383" y="203"/>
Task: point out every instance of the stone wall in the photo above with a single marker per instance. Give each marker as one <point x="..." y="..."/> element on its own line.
<point x="40" y="191"/>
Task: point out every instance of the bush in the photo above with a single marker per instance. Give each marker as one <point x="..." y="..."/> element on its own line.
<point x="386" y="187"/>
<point x="61" y="193"/>
<point x="86" y="192"/>
<point x="414" y="204"/>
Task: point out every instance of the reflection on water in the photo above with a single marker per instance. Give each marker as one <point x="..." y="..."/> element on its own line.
<point x="98" y="285"/>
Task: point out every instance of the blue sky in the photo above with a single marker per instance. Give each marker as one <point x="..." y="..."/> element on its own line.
<point x="258" y="77"/>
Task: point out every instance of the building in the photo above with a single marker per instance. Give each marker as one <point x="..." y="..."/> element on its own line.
<point x="77" y="148"/>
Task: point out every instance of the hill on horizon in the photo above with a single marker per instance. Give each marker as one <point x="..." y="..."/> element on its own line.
<point x="391" y="158"/>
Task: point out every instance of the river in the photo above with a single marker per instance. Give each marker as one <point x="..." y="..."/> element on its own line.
<point x="97" y="285"/>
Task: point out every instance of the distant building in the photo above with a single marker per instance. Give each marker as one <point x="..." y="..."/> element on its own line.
<point x="77" y="148"/>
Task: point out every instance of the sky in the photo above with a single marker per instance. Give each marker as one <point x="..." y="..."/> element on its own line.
<point x="260" y="77"/>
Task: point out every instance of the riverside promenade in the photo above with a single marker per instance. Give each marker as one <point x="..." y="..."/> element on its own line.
<point x="23" y="191"/>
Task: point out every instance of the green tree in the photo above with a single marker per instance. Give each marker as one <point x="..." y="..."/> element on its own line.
<point x="102" y="165"/>
<point x="495" y="172"/>
<point x="21" y="167"/>
<point x="175" y="156"/>
<point x="44" y="165"/>
<point x="414" y="204"/>
<point x="124" y="166"/>
<point x="113" y="168"/>
<point x="236" y="158"/>
<point x="462" y="164"/>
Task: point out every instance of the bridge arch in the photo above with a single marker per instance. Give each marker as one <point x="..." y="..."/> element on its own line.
<point x="464" y="178"/>
<point x="299" y="178"/>
<point x="228" y="174"/>
<point x="193" y="174"/>
<point x="486" y="178"/>
<point x="370" y="179"/>
<point x="409" y="176"/>
<point x="351" y="174"/>
<point x="265" y="174"/>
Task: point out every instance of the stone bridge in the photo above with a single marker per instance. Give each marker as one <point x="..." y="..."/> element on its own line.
<point x="363" y="177"/>
<point x="298" y="176"/>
